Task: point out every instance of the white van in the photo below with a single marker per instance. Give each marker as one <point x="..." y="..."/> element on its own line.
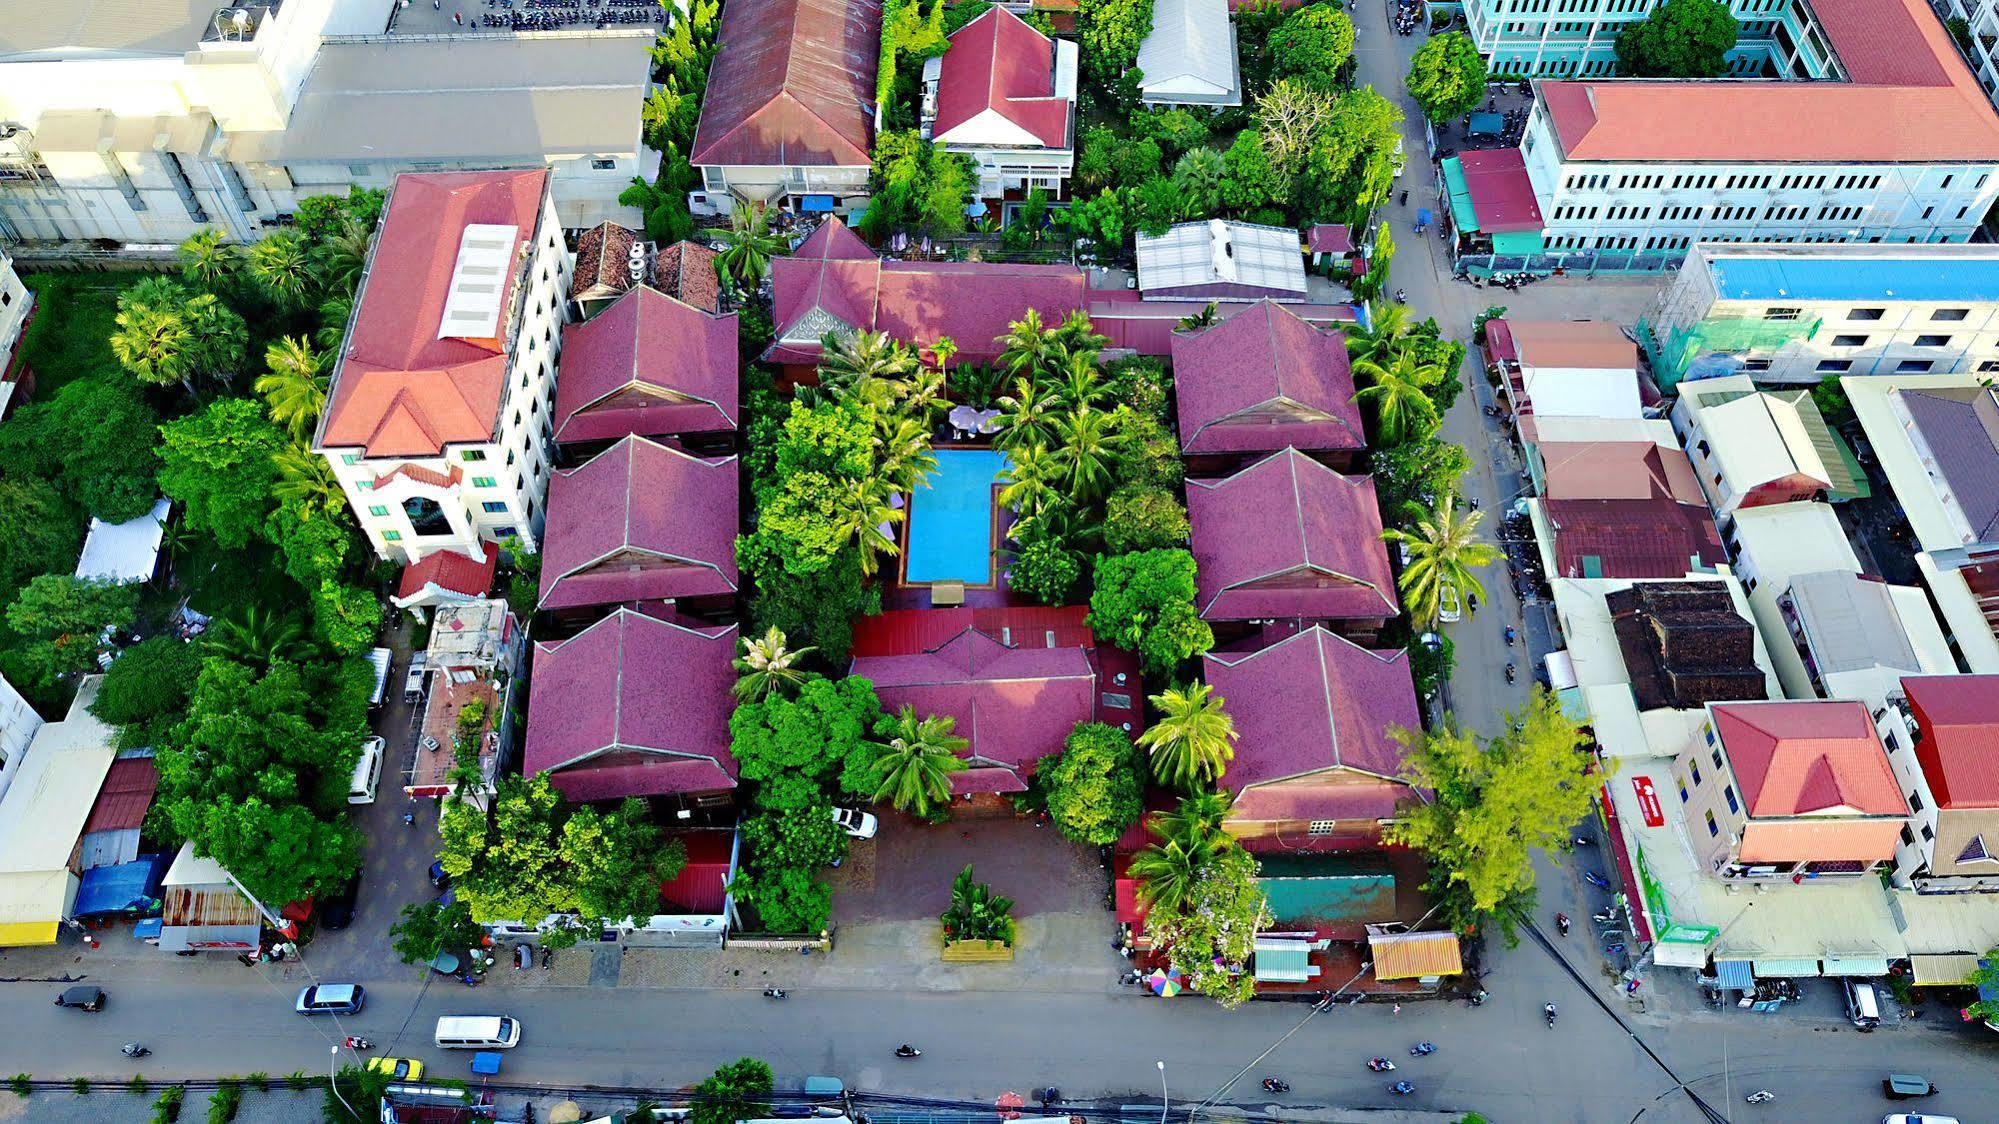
<point x="1862" y="1005"/>
<point x="367" y="772"/>
<point x="477" y="1032"/>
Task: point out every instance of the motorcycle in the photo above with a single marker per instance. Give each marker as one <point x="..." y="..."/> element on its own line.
<point x="1402" y="1088"/>
<point x="773" y="993"/>
<point x="1605" y="918"/>
<point x="1562" y="923"/>
<point x="1511" y="674"/>
<point x="1760" y="1096"/>
<point x="1273" y="1085"/>
<point x="907" y="1051"/>
<point x="133" y="1050"/>
<point x="357" y="1043"/>
<point x="1422" y="1049"/>
<point x="1550" y="1011"/>
<point x="1583" y="841"/>
<point x="1595" y="879"/>
<point x="1511" y="636"/>
<point x="1380" y="1065"/>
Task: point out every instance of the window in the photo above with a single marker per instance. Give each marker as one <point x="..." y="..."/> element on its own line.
<point x="1908" y="836"/>
<point x="1713" y="828"/>
<point x="482" y="482"/>
<point x="1320" y="827"/>
<point x="1974" y="851"/>
<point x="1932" y="341"/>
<point x="1683" y="790"/>
<point x="472" y="456"/>
<point x="493" y="507"/>
<point x="1849" y="341"/>
<point x="506" y="532"/>
<point x="1756" y="364"/>
<point x="1863" y="314"/>
<point x="1694" y="769"/>
<point x="1915" y="802"/>
<point x="1913" y="366"/>
<point x="1950" y="314"/>
<point x="364" y="485"/>
<point x="392" y="536"/>
<point x="603" y="165"/>
<point x="1929" y="835"/>
<point x="1988" y="365"/>
<point x="350" y="458"/>
<point x="1780" y="314"/>
<point x="1834" y="366"/>
<point x="1716" y="754"/>
<point x="379" y="511"/>
<point x="1728" y="793"/>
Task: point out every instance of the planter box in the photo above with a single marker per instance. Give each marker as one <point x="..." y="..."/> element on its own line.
<point x="976" y="952"/>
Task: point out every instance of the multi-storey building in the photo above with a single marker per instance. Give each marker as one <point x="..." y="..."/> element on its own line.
<point x="1535" y="38"/>
<point x="1939" y="732"/>
<point x="1898" y="144"/>
<point x="1981" y="18"/>
<point x="17" y="304"/>
<point x="143" y="122"/>
<point x="1005" y="95"/>
<point x="438" y="420"/>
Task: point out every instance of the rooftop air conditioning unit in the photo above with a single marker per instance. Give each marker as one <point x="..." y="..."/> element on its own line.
<point x="428" y="743"/>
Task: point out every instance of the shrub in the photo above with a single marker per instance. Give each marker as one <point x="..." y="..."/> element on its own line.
<point x="137" y="1086"/>
<point x="166" y="1109"/>
<point x="1093" y="785"/>
<point x="22" y="1084"/>
<point x="1144" y="519"/>
<point x="1046" y="571"/>
<point x="81" y="1085"/>
<point x="224" y="1103"/>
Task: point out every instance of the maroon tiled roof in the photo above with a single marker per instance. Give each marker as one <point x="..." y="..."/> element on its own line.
<point x="1015" y="705"/>
<point x="1959" y="744"/>
<point x="125" y="796"/>
<point x="1632" y="538"/>
<point x="1501" y="194"/>
<point x="1311" y="703"/>
<point x="997" y="63"/>
<point x="1797" y="758"/>
<point x="986" y="779"/>
<point x="451" y="571"/>
<point x="686" y="272"/>
<point x="633" y="706"/>
<point x="909" y="632"/>
<point x="648" y="365"/>
<point x="702" y="885"/>
<point x="1289" y="537"/>
<point x="793" y="84"/>
<point x="1261" y="380"/>
<point x="1329" y="238"/>
<point x="640" y="522"/>
<point x="603" y="262"/>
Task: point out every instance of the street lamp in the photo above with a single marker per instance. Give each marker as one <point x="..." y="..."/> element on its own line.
<point x="1164" y="1100"/>
<point x="333" y="1081"/>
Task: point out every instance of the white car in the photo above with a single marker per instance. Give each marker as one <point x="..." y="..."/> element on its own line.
<point x="1917" y="1118"/>
<point x="856" y="823"/>
<point x="1450" y="608"/>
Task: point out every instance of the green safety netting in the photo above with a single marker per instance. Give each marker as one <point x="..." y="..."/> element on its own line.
<point x="1683" y="350"/>
<point x="1462" y="212"/>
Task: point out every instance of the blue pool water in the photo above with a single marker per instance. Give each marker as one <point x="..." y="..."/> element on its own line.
<point x="951" y="521"/>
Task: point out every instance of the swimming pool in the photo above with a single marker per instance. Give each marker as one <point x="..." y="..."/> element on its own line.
<point x="951" y="520"/>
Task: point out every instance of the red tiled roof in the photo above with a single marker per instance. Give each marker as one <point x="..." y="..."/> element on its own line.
<point x="125" y="796"/>
<point x="909" y="632"/>
<point x="1264" y="357"/>
<point x="640" y="522"/>
<point x="1289" y="537"/>
<point x="1501" y="194"/>
<point x="1910" y="99"/>
<point x="633" y="706"/>
<point x="1015" y="705"/>
<point x="1310" y="703"/>
<point x="702" y="885"/>
<point x="452" y="571"/>
<point x="793" y="84"/>
<point x="1632" y="538"/>
<point x="836" y="274"/>
<point x="1959" y="744"/>
<point x="400" y="390"/>
<point x="1800" y="758"/>
<point x="648" y="365"/>
<point x="999" y="64"/>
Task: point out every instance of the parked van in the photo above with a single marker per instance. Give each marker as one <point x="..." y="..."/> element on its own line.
<point x="379" y="659"/>
<point x="1863" y="1006"/>
<point x="367" y="772"/>
<point x="477" y="1032"/>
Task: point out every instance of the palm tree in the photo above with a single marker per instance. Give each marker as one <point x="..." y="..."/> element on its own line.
<point x="1198" y="176"/>
<point x="1082" y="385"/>
<point x="334" y="313"/>
<point x="916" y="765"/>
<point x="1060" y="521"/>
<point x="340" y="259"/>
<point x="1192" y="742"/>
<point x="766" y="667"/>
<point x="859" y="359"/>
<point x="295" y="388"/>
<point x="281" y="265"/>
<point x="867" y="518"/>
<point x="1029" y="476"/>
<point x="258" y="638"/>
<point x="1388" y="324"/>
<point x="1443" y="551"/>
<point x="1086" y="448"/>
<point x="1206" y="318"/>
<point x="1166" y="873"/>
<point x="747" y="247"/>
<point x="944" y="350"/>
<point x="305" y="478"/>
<point x="153" y="343"/>
<point x="1196" y="822"/>
<point x="921" y="394"/>
<point x="1028" y="348"/>
<point x="1076" y="333"/>
<point x="207" y="260"/>
<point x="1401" y="408"/>
<point x="1027" y="416"/>
<point x="903" y="452"/>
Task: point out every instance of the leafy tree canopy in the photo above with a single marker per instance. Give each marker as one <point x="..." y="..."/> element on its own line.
<point x="147" y="688"/>
<point x="428" y="928"/>
<point x="59" y="618"/>
<point x="1447" y="76"/>
<point x="1312" y="44"/>
<point x="1144" y="518"/>
<point x="218" y="462"/>
<point x="1109" y="32"/>
<point x="287" y="734"/>
<point x="1680" y="39"/>
<point x="1211" y="935"/>
<point x="917" y="186"/>
<point x="1094" y="786"/>
<point x="822" y="735"/>
<point x="95" y="437"/>
<point x="41" y="532"/>
<point x="280" y="852"/>
<point x="737" y="1091"/>
<point x="1144" y="602"/>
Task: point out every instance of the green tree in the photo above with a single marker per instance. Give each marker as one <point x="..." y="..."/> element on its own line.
<point x="1094" y="786"/>
<point x="1413" y="476"/>
<point x="208" y="261"/>
<point x="617" y="860"/>
<point x="1402" y="409"/>
<point x="1193" y="739"/>
<point x="1211" y="935"/>
<point x="913" y="771"/>
<point x="822" y="735"/>
<point x="1985" y="979"/>
<point x="294" y="387"/>
<point x="41" y="531"/>
<point x="1447" y="76"/>
<point x="1110" y="32"/>
<point x="58" y="619"/>
<point x="428" y="928"/>
<point x="154" y="344"/>
<point x="1198" y="176"/>
<point x="1313" y="45"/>
<point x="748" y="244"/>
<point x="281" y="852"/>
<point x="1086" y="449"/>
<point x="1045" y="570"/>
<point x="1373" y="284"/>
<point x="1144" y="602"/>
<point x="307" y="482"/>
<point x="1251" y="183"/>
<point x="767" y="667"/>
<point x="1165" y="872"/>
<point x="258" y="637"/>
<point x="1029" y="349"/>
<point x="1157" y="205"/>
<point x="976" y="913"/>
<point x="737" y="1091"/>
<point x="667" y="219"/>
<point x="1495" y="802"/>
<point x="218" y="462"/>
<point x="147" y="688"/>
<point x="338" y="260"/>
<point x="1144" y="518"/>
<point x="1679" y="39"/>
<point x="95" y="436"/>
<point x="281" y="266"/>
<point x="1444" y="551"/>
<point x="1176" y="130"/>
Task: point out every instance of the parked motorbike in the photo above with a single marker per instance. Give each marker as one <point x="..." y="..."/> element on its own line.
<point x="1422" y="1049"/>
<point x="907" y="1051"/>
<point x="1402" y="1088"/>
<point x="1605" y="918"/>
<point x="355" y="1042"/>
<point x="1595" y="879"/>
<point x="1273" y="1085"/>
<point x="1760" y="1096"/>
<point x="1380" y="1065"/>
<point x="773" y="993"/>
<point x="1583" y="841"/>
<point x="133" y="1050"/>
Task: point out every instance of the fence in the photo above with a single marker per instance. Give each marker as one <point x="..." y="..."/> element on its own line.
<point x="1573" y="261"/>
<point x="782" y="942"/>
<point x="78" y="259"/>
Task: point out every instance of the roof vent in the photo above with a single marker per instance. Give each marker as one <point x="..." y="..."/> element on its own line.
<point x="478" y="281"/>
<point x="635" y="264"/>
<point x="1224" y="250"/>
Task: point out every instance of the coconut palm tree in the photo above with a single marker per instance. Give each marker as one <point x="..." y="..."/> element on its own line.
<point x="1193" y="740"/>
<point x="920" y="394"/>
<point x="338" y="260"/>
<point x="295" y="387"/>
<point x="915" y="767"/>
<point x="1401" y="408"/>
<point x="1029" y="481"/>
<point x="281" y="265"/>
<point x="305" y="478"/>
<point x="944" y="350"/>
<point x="766" y="667"/>
<point x="334" y="313"/>
<point x="1206" y="318"/>
<point x="1060" y="521"/>
<point x="1444" y="550"/>
<point x="258" y="638"/>
<point x="1196" y="822"/>
<point x="1082" y="385"/>
<point x="154" y="344"/>
<point x="1166" y="873"/>
<point x="1388" y="323"/>
<point x="1086" y="447"/>
<point x="207" y="260"/>
<point x="867" y="518"/>
<point x="1198" y="176"/>
<point x="859" y="359"/>
<point x="747" y="247"/>
<point x="1077" y="333"/>
<point x="903" y="452"/>
<point x="1028" y="348"/>
<point x="1027" y="416"/>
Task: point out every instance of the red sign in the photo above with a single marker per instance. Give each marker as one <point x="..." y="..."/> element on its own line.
<point x="1648" y="802"/>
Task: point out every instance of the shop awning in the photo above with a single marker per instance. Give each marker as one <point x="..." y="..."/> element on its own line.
<point x="1501" y="193"/>
<point x="1942" y="969"/>
<point x="1863" y="966"/>
<point x="1735" y="975"/>
<point x="1406" y="956"/>
<point x="1679" y="954"/>
<point x="1518" y="242"/>
<point x="1790" y="969"/>
<point x="1284" y="961"/>
<point x="1462" y="212"/>
<point x="1485" y="124"/>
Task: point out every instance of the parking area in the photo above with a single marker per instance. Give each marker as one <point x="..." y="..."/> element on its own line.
<point x="904" y="873"/>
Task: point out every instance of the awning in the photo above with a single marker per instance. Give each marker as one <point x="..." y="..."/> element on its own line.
<point x="1402" y="956"/>
<point x="1863" y="966"/>
<point x="131" y="888"/>
<point x="1462" y="212"/>
<point x="210" y="938"/>
<point x="1771" y="969"/>
<point x="1501" y="192"/>
<point x="1284" y="961"/>
<point x="1485" y="125"/>
<point x="22" y="934"/>
<point x="124" y="552"/>
<point x="1679" y="954"/>
<point x="1947" y="969"/>
<point x="1735" y="975"/>
<point x="1518" y="242"/>
<point x="812" y="203"/>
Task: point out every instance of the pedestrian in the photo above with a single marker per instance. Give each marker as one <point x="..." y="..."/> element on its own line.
<point x="1395" y="1010"/>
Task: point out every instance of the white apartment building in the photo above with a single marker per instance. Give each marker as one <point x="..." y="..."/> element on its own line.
<point x="1535" y="38"/>
<point x="1798" y="314"/>
<point x="141" y="121"/>
<point x="16" y="305"/>
<point x="438" y="417"/>
<point x="1938" y="730"/>
<point x="1982" y="19"/>
<point x="18" y="723"/>
<point x="1901" y="146"/>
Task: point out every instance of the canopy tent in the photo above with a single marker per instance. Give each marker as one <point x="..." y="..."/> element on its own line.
<point x="1518" y="242"/>
<point x="1403" y="956"/>
<point x="1284" y="960"/>
<point x="1485" y="125"/>
<point x="1462" y="212"/>
<point x="1946" y="969"/>
<point x="124" y="552"/>
<point x="1773" y="969"/>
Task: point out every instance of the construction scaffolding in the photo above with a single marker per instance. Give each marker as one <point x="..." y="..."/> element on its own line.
<point x="1717" y="346"/>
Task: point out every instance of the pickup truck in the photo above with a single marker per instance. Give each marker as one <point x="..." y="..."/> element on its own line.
<point x="413" y="683"/>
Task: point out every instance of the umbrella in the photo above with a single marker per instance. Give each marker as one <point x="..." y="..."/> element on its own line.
<point x="1009" y="1105"/>
<point x="964" y="419"/>
<point x="565" y="1112"/>
<point x="976" y="208"/>
<point x="1165" y="982"/>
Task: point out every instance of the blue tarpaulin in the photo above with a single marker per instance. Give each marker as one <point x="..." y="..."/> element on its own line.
<point x="124" y="888"/>
<point x="811" y="203"/>
<point x="1735" y="975"/>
